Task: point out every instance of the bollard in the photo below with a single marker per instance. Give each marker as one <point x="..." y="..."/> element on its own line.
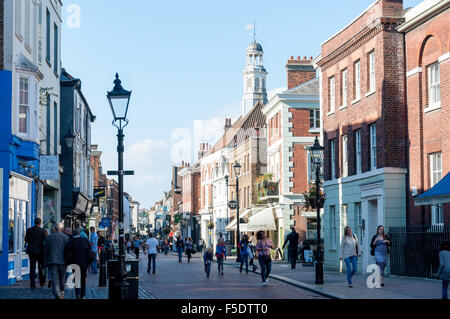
<point x="102" y="275"/>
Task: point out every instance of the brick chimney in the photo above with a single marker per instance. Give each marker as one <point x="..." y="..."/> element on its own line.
<point x="299" y="71"/>
<point x="227" y="124"/>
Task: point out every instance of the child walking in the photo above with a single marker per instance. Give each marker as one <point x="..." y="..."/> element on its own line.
<point x="221" y="254"/>
<point x="207" y="260"/>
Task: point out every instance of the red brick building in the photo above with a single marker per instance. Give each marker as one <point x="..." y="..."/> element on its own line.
<point x="364" y="128"/>
<point x="427" y="38"/>
<point x="293" y="121"/>
<point x="191" y="197"/>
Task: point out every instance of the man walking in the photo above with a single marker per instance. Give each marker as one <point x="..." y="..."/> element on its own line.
<point x="137" y="245"/>
<point x="94" y="246"/>
<point x="78" y="251"/>
<point x="35" y="238"/>
<point x="292" y="238"/>
<point x="55" y="245"/>
<point x="152" y="244"/>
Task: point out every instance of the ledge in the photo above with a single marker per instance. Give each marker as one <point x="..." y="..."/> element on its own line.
<point x="355" y="101"/>
<point x="433" y="107"/>
<point x="330" y="113"/>
<point x="370" y="93"/>
<point x="343" y="107"/>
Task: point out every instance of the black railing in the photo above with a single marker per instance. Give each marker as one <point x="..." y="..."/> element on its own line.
<point x="415" y="249"/>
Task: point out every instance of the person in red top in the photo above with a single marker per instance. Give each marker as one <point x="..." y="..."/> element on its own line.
<point x="221" y="254"/>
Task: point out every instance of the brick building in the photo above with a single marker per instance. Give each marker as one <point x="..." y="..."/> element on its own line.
<point x="364" y="128"/>
<point x="293" y="121"/>
<point x="190" y="176"/>
<point x="428" y="95"/>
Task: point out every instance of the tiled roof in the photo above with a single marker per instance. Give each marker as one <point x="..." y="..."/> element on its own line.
<point x="311" y="87"/>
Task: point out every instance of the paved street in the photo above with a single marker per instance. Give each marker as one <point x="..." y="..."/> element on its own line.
<point x="188" y="280"/>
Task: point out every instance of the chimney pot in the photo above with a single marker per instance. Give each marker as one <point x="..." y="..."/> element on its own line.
<point x="298" y="58"/>
<point x="292" y="58"/>
<point x="304" y="58"/>
<point x="310" y="57"/>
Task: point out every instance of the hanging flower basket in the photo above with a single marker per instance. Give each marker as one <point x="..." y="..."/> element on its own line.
<point x="210" y="225"/>
<point x="311" y="197"/>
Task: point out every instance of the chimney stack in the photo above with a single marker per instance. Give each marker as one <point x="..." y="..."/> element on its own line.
<point x="299" y="71"/>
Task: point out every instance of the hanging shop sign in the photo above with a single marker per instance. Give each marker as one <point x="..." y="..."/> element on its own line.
<point x="49" y="168"/>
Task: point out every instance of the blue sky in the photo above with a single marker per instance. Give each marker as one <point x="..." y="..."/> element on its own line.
<point x="184" y="62"/>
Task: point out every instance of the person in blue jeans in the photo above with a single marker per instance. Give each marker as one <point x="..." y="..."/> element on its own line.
<point x="263" y="248"/>
<point x="349" y="252"/>
<point x="444" y="267"/>
<point x="93" y="240"/>
<point x="180" y="247"/>
<point x="207" y="260"/>
<point x="243" y="246"/>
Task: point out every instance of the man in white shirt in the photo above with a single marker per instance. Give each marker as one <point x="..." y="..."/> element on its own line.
<point x="152" y="244"/>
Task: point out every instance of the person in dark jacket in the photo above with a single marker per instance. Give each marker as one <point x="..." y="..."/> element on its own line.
<point x="35" y="238"/>
<point x="180" y="247"/>
<point x="292" y="238"/>
<point x="54" y="256"/>
<point x="78" y="251"/>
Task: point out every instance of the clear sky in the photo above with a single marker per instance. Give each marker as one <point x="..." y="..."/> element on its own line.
<point x="184" y="60"/>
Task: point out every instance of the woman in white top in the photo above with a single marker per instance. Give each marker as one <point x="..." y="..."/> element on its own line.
<point x="350" y="251"/>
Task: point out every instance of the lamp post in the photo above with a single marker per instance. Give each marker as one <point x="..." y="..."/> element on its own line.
<point x="119" y="99"/>
<point x="237" y="172"/>
<point x="228" y="221"/>
<point x="211" y="210"/>
<point x="317" y="159"/>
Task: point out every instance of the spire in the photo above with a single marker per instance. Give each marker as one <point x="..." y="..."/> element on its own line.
<point x="254" y="31"/>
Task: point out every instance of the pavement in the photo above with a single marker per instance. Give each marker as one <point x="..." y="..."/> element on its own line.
<point x="21" y="290"/>
<point x="335" y="283"/>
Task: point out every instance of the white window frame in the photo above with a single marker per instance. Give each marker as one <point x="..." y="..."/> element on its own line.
<point x="437" y="214"/>
<point x="372" y="72"/>
<point x="358" y="152"/>
<point x="373" y="146"/>
<point x="332" y="88"/>
<point x="357" y="66"/>
<point x="315" y="118"/>
<point x="434" y="84"/>
<point x="333" y="158"/>
<point x="32" y="109"/>
<point x="344" y="155"/>
<point x="344" y="87"/>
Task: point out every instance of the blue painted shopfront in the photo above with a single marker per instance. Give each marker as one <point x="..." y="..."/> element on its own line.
<point x="17" y="190"/>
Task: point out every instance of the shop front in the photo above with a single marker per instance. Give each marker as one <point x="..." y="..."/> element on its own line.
<point x="80" y="211"/>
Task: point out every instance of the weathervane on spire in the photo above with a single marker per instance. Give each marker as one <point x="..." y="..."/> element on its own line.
<point x="254" y="31"/>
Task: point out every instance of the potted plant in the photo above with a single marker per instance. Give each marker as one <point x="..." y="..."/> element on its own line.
<point x="310" y="198"/>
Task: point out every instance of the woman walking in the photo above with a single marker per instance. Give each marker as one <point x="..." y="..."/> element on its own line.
<point x="243" y="246"/>
<point x="221" y="254"/>
<point x="380" y="249"/>
<point x="189" y="245"/>
<point x="263" y="247"/>
<point x="350" y="251"/>
<point x="444" y="267"/>
<point x="180" y="247"/>
<point x="207" y="260"/>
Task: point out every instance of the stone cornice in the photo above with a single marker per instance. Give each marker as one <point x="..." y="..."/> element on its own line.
<point x="385" y="24"/>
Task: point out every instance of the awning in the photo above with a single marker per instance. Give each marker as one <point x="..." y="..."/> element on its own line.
<point x="232" y="225"/>
<point x="264" y="220"/>
<point x="438" y="194"/>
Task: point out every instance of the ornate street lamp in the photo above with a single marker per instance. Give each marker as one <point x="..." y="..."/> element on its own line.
<point x="69" y="139"/>
<point x="237" y="172"/>
<point x="119" y="100"/>
<point x="317" y="160"/>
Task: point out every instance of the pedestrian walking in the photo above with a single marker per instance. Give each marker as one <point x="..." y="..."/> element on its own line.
<point x="207" y="261"/>
<point x="50" y="281"/>
<point x="292" y="239"/>
<point x="252" y="241"/>
<point x="250" y="258"/>
<point x="379" y="245"/>
<point x="243" y="246"/>
<point x="137" y="245"/>
<point x="128" y="246"/>
<point x="94" y="246"/>
<point x="68" y="232"/>
<point x="35" y="237"/>
<point x="54" y="256"/>
<point x="263" y="247"/>
<point x="166" y="247"/>
<point x="221" y="254"/>
<point x="180" y="247"/>
<point x="101" y="240"/>
<point x="109" y="247"/>
<point x="82" y="233"/>
<point x="79" y="252"/>
<point x="444" y="267"/>
<point x="189" y="246"/>
<point x="349" y="252"/>
<point x="152" y="244"/>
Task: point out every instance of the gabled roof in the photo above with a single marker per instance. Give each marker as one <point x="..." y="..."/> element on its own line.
<point x="67" y="79"/>
<point x="241" y="128"/>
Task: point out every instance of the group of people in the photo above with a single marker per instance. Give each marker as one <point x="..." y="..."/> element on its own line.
<point x="54" y="252"/>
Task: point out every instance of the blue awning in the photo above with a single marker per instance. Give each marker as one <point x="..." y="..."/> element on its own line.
<point x="438" y="194"/>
